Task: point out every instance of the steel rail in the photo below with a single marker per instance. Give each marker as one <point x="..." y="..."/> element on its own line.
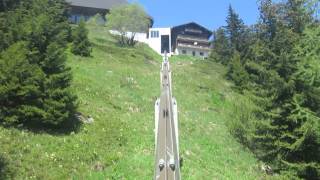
<point x="167" y="160"/>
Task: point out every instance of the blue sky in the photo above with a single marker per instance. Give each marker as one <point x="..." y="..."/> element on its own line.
<point x="209" y="13"/>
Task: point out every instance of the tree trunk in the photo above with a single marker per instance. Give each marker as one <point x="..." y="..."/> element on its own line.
<point x="122" y="39"/>
<point x="132" y="42"/>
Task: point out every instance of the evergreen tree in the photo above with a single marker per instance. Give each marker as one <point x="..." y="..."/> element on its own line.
<point x="237" y="73"/>
<point x="297" y="15"/>
<point x="49" y="54"/>
<point x="20" y="87"/>
<point x="281" y="71"/>
<point x="302" y="137"/>
<point x="291" y="125"/>
<point x="235" y="30"/>
<point x="220" y="47"/>
<point x="43" y="26"/>
<point x="268" y="20"/>
<point x="81" y="44"/>
<point x="6" y="5"/>
<point x="12" y="27"/>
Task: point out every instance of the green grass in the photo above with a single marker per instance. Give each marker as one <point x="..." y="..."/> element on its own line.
<point x="118" y="88"/>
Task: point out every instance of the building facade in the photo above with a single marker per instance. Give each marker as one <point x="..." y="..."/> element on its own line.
<point x="191" y="39"/>
<point x="187" y="39"/>
<point x="85" y="9"/>
<point x="159" y="39"/>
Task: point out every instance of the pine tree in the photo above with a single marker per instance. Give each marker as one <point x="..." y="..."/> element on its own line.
<point x="43" y="27"/>
<point x="282" y="68"/>
<point x="291" y="126"/>
<point x="20" y="84"/>
<point x="49" y="53"/>
<point x="6" y="5"/>
<point x="220" y="47"/>
<point x="237" y="73"/>
<point x="303" y="135"/>
<point x="81" y="44"/>
<point x="268" y="20"/>
<point x="235" y="30"/>
<point x="297" y="15"/>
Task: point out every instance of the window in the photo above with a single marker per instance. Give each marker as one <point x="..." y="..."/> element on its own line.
<point x="193" y="31"/>
<point x="201" y="54"/>
<point x="154" y="34"/>
<point x="184" y="51"/>
<point x="193" y="53"/>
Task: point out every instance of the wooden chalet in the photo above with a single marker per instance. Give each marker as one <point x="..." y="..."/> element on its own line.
<point x="190" y="39"/>
<point x="88" y="8"/>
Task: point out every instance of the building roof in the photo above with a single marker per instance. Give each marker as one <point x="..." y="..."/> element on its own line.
<point x="100" y="4"/>
<point x="195" y="24"/>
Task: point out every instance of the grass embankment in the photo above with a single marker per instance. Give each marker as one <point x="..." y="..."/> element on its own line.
<point x="118" y="87"/>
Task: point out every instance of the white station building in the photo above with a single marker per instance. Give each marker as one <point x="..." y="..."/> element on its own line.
<point x="187" y="39"/>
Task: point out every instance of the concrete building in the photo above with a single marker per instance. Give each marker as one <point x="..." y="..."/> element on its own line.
<point x="187" y="39"/>
<point x="159" y="39"/>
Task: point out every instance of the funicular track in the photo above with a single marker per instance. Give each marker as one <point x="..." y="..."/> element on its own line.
<point x="167" y="161"/>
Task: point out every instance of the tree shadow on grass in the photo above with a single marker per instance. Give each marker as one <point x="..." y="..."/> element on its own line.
<point x="72" y="125"/>
<point x="5" y="172"/>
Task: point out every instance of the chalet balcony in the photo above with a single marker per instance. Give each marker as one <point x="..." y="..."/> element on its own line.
<point x="193" y="46"/>
<point x="194" y="43"/>
<point x="186" y="38"/>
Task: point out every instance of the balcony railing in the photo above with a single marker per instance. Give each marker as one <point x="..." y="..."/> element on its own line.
<point x="192" y="38"/>
<point x="194" y="46"/>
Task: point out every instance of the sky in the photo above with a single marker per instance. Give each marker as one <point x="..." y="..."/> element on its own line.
<point x="209" y="13"/>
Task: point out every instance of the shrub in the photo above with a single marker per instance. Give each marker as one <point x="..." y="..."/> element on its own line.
<point x="241" y="119"/>
<point x="81" y="44"/>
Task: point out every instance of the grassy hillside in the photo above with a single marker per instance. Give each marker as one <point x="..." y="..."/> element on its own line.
<point x="118" y="87"/>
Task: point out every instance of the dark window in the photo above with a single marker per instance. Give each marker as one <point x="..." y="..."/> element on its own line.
<point x="76" y="19"/>
<point x="193" y="53"/>
<point x="201" y="54"/>
<point x="154" y="34"/>
<point x="184" y="52"/>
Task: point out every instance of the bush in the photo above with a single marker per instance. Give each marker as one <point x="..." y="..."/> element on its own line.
<point x="81" y="44"/>
<point x="241" y="119"/>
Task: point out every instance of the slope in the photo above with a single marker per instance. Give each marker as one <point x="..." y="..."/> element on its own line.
<point x="118" y="87"/>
